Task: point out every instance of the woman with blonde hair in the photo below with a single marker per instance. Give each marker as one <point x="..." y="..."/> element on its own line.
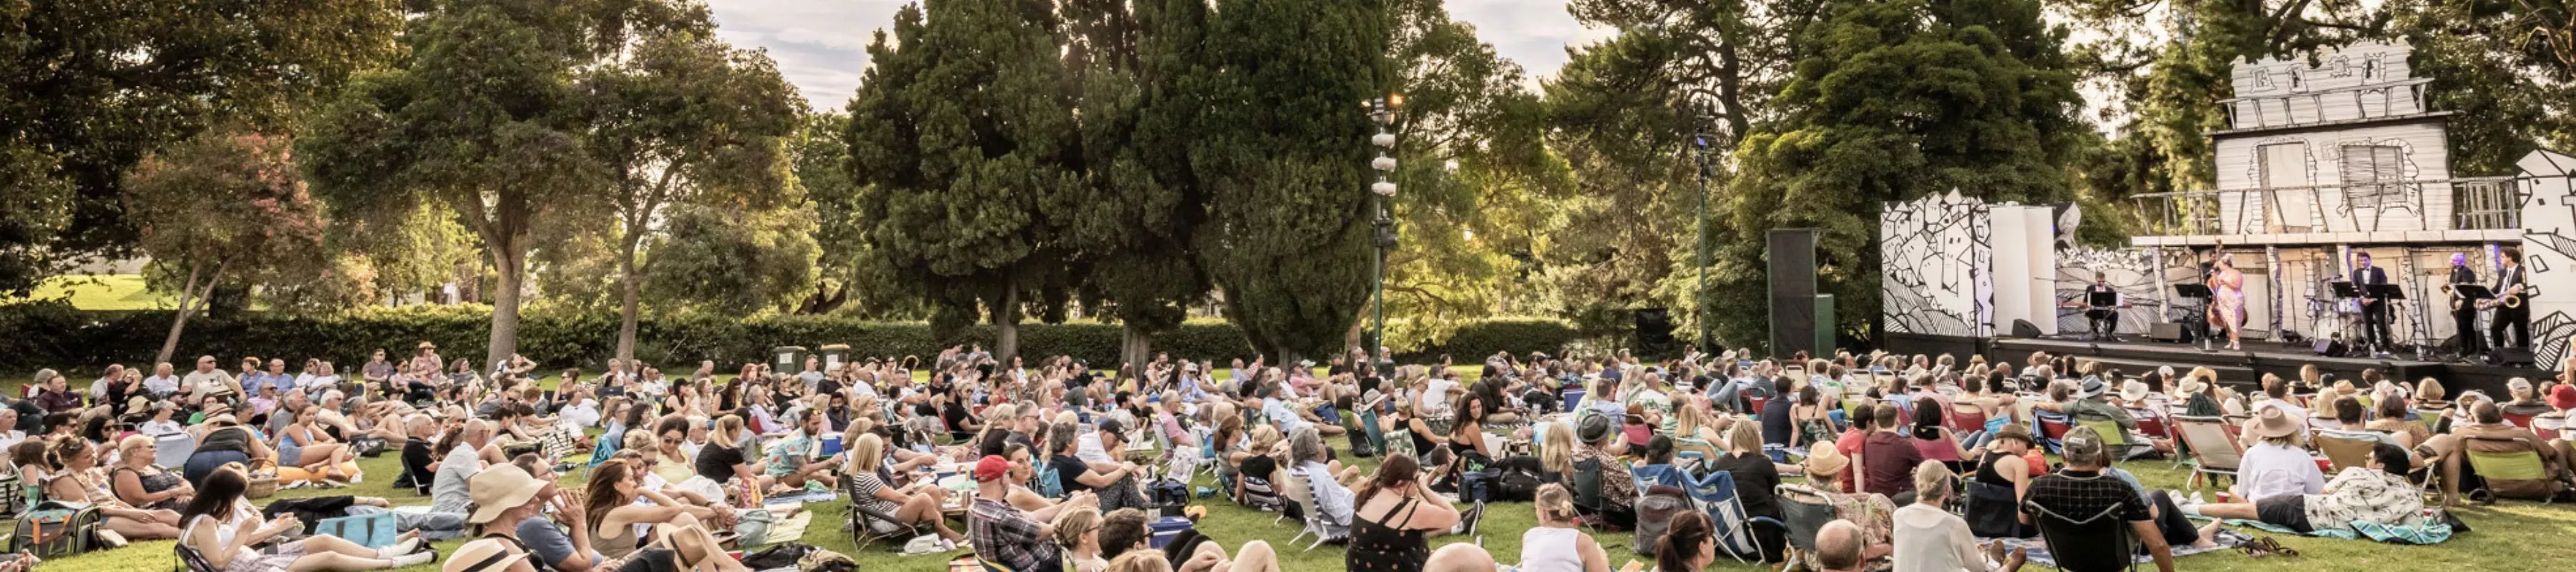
<point x="916" y="504"/>
<point x="1556" y="455"/>
<point x="72" y="459"/>
<point x="1077" y="530"/>
<point x="1557" y="544"/>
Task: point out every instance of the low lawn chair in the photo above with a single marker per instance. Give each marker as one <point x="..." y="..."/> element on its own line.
<point x="1967" y="417"/>
<point x="1805" y="510"/>
<point x="2213" y="450"/>
<point x="866" y="526"/>
<point x="2346" y="449"/>
<point x="2114" y="439"/>
<point x="2090" y="543"/>
<point x="2052" y="427"/>
<point x="1715" y="493"/>
<point x="2513" y="468"/>
<point x="1302" y="494"/>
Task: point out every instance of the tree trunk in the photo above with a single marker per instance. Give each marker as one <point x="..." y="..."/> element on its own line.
<point x="627" y="287"/>
<point x="510" y="266"/>
<point x="1134" y="347"/>
<point x="1006" y="324"/>
<point x="170" y="344"/>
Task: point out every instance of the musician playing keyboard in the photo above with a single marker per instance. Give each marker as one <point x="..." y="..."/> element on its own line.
<point x="2102" y="304"/>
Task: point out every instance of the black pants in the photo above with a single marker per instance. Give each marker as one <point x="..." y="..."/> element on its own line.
<point x="2106" y="323"/>
<point x="2374" y="325"/>
<point x="2465" y="321"/>
<point x="2177" y="529"/>
<point x="2519" y="319"/>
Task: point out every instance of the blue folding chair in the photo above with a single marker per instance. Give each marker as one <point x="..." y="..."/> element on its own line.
<point x="1667" y="475"/>
<point x="1715" y="493"/>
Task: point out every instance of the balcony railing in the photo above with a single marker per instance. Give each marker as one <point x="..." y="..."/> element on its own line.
<point x="2326" y="106"/>
<point x="2485" y="203"/>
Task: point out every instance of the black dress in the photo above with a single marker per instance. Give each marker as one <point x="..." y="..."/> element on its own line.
<point x="1376" y="547"/>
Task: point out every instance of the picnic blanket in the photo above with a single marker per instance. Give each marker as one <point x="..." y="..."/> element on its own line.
<point x="801" y="497"/>
<point x="2040" y="556"/>
<point x="2419" y="533"/>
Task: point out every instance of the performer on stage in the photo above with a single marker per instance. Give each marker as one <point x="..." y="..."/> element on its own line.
<point x="2374" y="311"/>
<point x="2209" y="308"/>
<point x="2510" y="283"/>
<point x="2105" y="319"/>
<point x="2464" y="319"/>
<point x="2228" y="289"/>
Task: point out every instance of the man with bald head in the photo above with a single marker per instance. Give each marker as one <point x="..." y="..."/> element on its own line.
<point x="2485" y="430"/>
<point x="1838" y="547"/>
<point x="447" y="492"/>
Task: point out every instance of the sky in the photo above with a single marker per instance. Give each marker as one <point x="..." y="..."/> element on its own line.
<point x="822" y="44"/>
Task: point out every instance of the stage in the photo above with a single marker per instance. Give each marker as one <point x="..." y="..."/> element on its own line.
<point x="2241" y="369"/>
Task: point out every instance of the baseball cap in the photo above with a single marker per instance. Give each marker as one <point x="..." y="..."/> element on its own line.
<point x="2563" y="397"/>
<point x="2081" y="443"/>
<point x="991" y="467"/>
<point x="1111" y="425"/>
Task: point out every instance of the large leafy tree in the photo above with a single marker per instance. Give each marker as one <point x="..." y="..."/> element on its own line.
<point x="223" y="207"/>
<point x="485" y="118"/>
<point x="1282" y="150"/>
<point x="1897" y="100"/>
<point x="1479" y="193"/>
<point x="681" y="118"/>
<point x="848" y="273"/>
<point x="94" y="85"/>
<point x="732" y="262"/>
<point x="963" y="135"/>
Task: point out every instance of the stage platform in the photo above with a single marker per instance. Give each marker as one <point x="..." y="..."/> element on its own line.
<point x="2240" y="369"/>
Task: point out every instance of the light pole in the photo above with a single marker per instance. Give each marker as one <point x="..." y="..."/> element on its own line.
<point x="1381" y="111"/>
<point x="1699" y="142"/>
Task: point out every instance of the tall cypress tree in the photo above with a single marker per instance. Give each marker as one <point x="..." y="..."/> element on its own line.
<point x="963" y="135"/>
<point x="1282" y="149"/>
<point x="1135" y="63"/>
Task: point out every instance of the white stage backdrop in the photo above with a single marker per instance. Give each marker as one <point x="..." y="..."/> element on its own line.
<point x="1938" y="266"/>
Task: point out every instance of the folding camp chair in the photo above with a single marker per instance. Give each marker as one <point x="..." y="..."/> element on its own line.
<point x="2114" y="439"/>
<point x="1587" y="491"/>
<point x="1805" y="510"/>
<point x="1282" y="491"/>
<point x="2213" y="450"/>
<point x="1967" y="417"/>
<point x="866" y="526"/>
<point x="1303" y="495"/>
<point x="2098" y="542"/>
<point x="2346" y="449"/>
<point x="2052" y="427"/>
<point x="2522" y="464"/>
<point x="1715" y="493"/>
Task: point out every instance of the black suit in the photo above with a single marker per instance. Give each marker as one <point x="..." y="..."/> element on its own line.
<point x="2104" y="321"/>
<point x="2465" y="319"/>
<point x="2374" y="314"/>
<point x="2518" y="319"/>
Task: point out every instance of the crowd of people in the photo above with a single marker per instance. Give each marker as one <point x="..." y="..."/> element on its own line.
<point x="1059" y="466"/>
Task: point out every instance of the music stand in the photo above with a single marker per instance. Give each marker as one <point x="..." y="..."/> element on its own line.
<point x="2388" y="291"/>
<point x="2472" y="293"/>
<point x="2200" y="291"/>
<point x="2344" y="289"/>
<point x="2100" y="300"/>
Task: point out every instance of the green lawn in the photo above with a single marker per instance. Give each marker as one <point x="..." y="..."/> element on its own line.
<point x="104" y="292"/>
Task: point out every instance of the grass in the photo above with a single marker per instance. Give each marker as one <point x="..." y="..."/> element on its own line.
<point x="104" y="292"/>
<point x="2510" y="536"/>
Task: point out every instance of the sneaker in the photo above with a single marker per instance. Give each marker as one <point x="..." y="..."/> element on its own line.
<point x="414" y="559"/>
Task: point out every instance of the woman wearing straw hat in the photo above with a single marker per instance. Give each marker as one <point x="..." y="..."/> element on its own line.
<point x="2277" y="465"/>
<point x="1875" y="514"/>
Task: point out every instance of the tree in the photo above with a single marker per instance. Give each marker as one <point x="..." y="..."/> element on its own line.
<point x="222" y="207"/>
<point x="1479" y="195"/>
<point x="483" y="118"/>
<point x="1283" y="152"/>
<point x="963" y="133"/>
<point x="681" y="118"/>
<point x="1140" y="69"/>
<point x="94" y="85"/>
<point x="848" y="272"/>
<point x="731" y="262"/>
<point x="1897" y="100"/>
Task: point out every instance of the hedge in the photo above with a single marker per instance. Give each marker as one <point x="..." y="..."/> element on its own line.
<point x="53" y="334"/>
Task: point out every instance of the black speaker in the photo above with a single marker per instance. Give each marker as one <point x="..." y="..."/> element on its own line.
<point x="1792" y="253"/>
<point x="2024" y="329"/>
<point x="1654" y="332"/>
<point x="2168" y="332"/>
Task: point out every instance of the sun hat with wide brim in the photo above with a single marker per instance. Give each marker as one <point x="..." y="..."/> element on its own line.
<point x="1824" y="459"/>
<point x="2273" y="422"/>
<point x="498" y="489"/>
<point x="482" y="555"/>
<point x="2133" y="390"/>
<point x="2092" y="386"/>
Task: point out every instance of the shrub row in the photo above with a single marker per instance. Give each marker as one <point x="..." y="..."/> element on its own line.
<point x="53" y="334"/>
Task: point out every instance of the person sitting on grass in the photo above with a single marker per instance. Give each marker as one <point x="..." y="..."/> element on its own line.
<point x="72" y="460"/>
<point x="916" y="504"/>
<point x="2277" y="465"/>
<point x="791" y="459"/>
<point x="2378" y="493"/>
<point x="1930" y="539"/>
<point x="1396" y="510"/>
<point x="319" y="458"/>
<point x="610" y="505"/>
<point x="223" y="529"/>
<point x="141" y="484"/>
<point x="1115" y="484"/>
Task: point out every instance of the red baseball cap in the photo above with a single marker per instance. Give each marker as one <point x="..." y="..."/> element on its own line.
<point x="2563" y="396"/>
<point x="991" y="467"/>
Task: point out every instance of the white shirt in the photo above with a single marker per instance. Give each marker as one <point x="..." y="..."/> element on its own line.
<point x="1090" y="450"/>
<point x="161" y="384"/>
<point x="2271" y="470"/>
<point x="1550" y="549"/>
<point x="317" y="383"/>
<point x="11" y="439"/>
<point x="1929" y="539"/>
<point x="156" y="429"/>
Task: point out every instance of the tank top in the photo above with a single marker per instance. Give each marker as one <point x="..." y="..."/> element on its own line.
<point x="224" y="531"/>
<point x="1376" y="547"/>
<point x="1551" y="549"/>
<point x="1986" y="467"/>
<point x="614" y="547"/>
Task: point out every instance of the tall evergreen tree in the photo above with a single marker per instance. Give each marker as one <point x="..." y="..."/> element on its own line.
<point x="1137" y="67"/>
<point x="1898" y="100"/>
<point x="963" y="135"/>
<point x="1283" y="151"/>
